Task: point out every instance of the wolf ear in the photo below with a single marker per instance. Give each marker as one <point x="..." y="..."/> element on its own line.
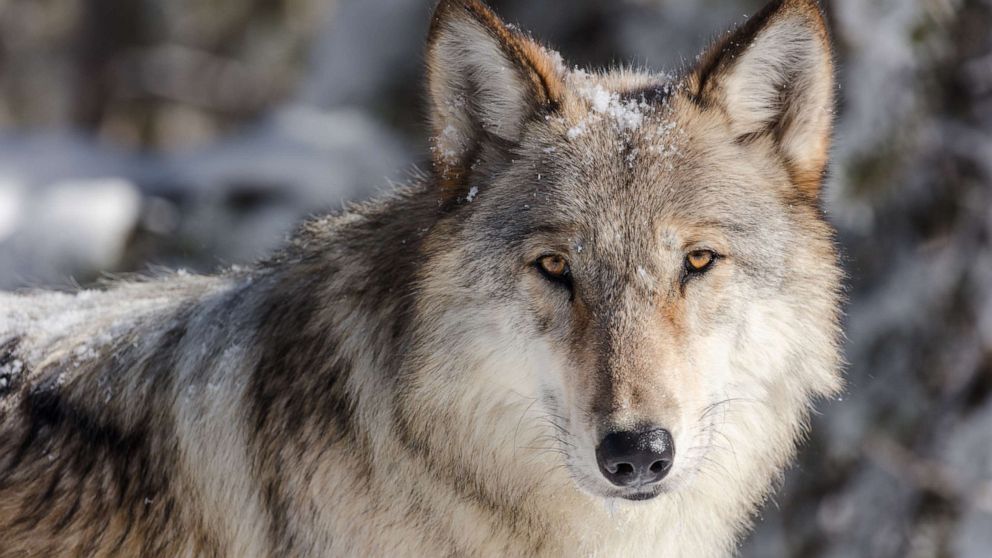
<point x="485" y="81"/>
<point x="774" y="75"/>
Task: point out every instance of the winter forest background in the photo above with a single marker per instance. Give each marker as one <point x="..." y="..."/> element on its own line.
<point x="182" y="133"/>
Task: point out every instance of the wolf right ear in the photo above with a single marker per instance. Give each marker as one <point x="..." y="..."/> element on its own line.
<point x="485" y="81"/>
<point x="774" y="76"/>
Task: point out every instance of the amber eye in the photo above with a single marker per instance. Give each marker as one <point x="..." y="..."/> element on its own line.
<point x="554" y="268"/>
<point x="698" y="261"/>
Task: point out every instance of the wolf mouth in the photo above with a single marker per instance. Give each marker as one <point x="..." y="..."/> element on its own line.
<point x="641" y="496"/>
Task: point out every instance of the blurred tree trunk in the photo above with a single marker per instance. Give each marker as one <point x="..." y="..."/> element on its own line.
<point x="108" y="28"/>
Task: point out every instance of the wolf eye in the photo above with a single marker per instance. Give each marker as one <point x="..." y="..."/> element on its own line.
<point x="554" y="268"/>
<point x="699" y="261"/>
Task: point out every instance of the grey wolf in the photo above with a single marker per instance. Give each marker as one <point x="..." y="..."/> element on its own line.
<point x="595" y="327"/>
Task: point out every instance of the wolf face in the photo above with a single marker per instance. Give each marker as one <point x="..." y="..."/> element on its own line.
<point x="645" y="252"/>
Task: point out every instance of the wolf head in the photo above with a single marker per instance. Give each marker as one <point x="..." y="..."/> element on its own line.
<point x="640" y="256"/>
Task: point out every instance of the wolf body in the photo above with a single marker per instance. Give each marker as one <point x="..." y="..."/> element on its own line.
<point x="440" y="372"/>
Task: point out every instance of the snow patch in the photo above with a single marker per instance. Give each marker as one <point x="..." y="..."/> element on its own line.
<point x="627" y="115"/>
<point x="599" y="97"/>
<point x="577" y="130"/>
<point x="449" y="144"/>
<point x="624" y="115"/>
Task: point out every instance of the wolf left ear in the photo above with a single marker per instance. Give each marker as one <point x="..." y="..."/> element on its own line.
<point x="485" y="81"/>
<point x="774" y="75"/>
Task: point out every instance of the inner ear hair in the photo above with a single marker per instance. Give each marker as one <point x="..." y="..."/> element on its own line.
<point x="774" y="76"/>
<point x="485" y="81"/>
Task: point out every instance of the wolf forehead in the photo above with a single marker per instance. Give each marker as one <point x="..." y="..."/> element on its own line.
<point x="632" y="136"/>
<point x="621" y="154"/>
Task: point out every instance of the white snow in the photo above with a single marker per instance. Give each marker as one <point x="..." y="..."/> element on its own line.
<point x="577" y="130"/>
<point x="83" y="324"/>
<point x="599" y="97"/>
<point x="449" y="144"/>
<point x="627" y="115"/>
<point x="623" y="115"/>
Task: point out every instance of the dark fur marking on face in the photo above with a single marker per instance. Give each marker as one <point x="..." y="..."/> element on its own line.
<point x="608" y="335"/>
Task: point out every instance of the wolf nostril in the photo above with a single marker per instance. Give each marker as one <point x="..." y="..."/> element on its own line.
<point x="624" y="469"/>
<point x="636" y="458"/>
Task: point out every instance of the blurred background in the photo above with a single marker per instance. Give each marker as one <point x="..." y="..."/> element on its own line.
<point x="191" y="134"/>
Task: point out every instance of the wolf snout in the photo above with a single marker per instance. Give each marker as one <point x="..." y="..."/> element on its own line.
<point x="636" y="458"/>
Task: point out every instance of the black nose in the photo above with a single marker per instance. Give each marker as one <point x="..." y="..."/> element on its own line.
<point x="636" y="458"/>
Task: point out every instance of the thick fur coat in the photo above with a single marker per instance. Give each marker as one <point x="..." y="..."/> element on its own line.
<point x="432" y="373"/>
